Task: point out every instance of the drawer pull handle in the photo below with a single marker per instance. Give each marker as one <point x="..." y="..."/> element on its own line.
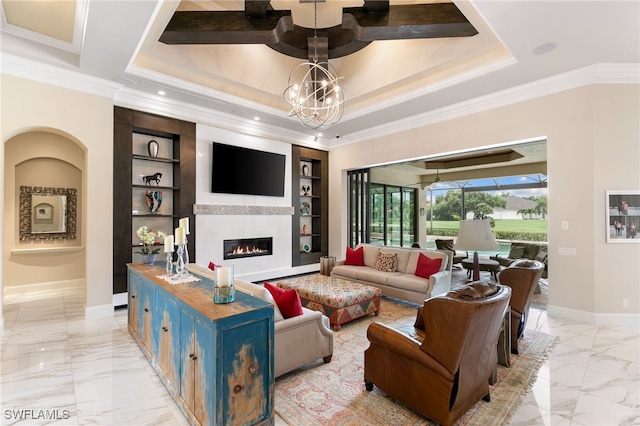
<point x="193" y="357"/>
<point x="165" y="329"/>
<point x="146" y="309"/>
<point x="237" y="388"/>
<point x="133" y="296"/>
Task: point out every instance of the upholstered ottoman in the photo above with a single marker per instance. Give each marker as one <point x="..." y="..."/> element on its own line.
<point x="340" y="300"/>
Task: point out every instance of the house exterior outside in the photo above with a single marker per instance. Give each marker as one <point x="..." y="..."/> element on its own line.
<point x="514" y="207"/>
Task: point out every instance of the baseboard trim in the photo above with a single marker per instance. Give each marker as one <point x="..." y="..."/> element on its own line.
<point x="598" y="319"/>
<point x="52" y="285"/>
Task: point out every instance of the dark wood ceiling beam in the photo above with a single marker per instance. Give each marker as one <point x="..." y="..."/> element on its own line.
<point x="416" y="21"/>
<point x="256" y="8"/>
<point x="259" y="24"/>
<point x="189" y="27"/>
<point x="376" y="6"/>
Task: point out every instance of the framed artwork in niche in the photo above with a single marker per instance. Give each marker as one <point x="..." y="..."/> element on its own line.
<point x="623" y="216"/>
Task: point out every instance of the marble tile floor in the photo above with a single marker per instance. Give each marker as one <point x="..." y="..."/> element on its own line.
<point x="56" y="363"/>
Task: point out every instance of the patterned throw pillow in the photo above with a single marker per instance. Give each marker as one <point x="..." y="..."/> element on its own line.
<point x="387" y="262"/>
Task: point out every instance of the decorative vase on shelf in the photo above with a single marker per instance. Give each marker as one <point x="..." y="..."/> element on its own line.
<point x="153" y="147"/>
<point x="153" y="200"/>
<point x="148" y="259"/>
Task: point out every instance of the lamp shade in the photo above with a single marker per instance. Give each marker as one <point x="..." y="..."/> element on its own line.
<point x="475" y="235"/>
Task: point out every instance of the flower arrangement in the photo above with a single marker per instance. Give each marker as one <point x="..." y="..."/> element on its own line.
<point x="148" y="237"/>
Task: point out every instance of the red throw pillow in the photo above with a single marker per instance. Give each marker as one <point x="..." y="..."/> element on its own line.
<point x="354" y="257"/>
<point x="213" y="266"/>
<point x="274" y="290"/>
<point x="427" y="266"/>
<point x="288" y="301"/>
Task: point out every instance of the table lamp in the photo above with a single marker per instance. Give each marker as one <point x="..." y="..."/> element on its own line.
<point x="475" y="235"/>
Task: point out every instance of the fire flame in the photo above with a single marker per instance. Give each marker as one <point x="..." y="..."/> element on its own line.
<point x="240" y="250"/>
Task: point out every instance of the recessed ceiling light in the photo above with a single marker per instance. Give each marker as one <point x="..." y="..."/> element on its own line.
<point x="161" y="92"/>
<point x="256" y="118"/>
<point x="544" y="48"/>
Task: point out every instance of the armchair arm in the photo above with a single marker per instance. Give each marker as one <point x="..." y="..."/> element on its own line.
<point x="394" y="341"/>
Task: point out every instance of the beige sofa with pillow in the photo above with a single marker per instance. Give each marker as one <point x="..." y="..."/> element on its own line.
<point x="402" y="283"/>
<point x="298" y="340"/>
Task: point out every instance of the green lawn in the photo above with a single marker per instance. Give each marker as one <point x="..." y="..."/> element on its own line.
<point x="514" y="225"/>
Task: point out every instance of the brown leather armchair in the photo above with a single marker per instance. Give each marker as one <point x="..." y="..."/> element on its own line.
<point x="522" y="276"/>
<point x="441" y="366"/>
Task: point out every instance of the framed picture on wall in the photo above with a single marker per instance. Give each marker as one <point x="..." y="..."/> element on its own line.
<point x="623" y="216"/>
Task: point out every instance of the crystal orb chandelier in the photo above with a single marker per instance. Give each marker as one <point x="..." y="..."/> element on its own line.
<point x="315" y="94"/>
<point x="314" y="90"/>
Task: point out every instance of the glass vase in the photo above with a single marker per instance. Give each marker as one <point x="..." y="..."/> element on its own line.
<point x="223" y="289"/>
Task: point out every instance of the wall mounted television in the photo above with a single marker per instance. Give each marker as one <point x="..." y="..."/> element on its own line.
<point x="238" y="170"/>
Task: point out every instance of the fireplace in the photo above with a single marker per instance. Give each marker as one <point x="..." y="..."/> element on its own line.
<point x="247" y="247"/>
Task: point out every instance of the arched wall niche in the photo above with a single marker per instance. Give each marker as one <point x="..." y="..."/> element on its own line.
<point x="52" y="159"/>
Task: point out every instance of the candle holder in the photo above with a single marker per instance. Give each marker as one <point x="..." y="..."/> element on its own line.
<point x="180" y="261"/>
<point x="223" y="289"/>
<point x="186" y="255"/>
<point x="169" y="266"/>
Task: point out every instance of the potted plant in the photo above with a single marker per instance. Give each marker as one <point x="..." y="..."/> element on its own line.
<point x="148" y="238"/>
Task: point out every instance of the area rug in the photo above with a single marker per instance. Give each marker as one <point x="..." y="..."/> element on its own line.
<point x="334" y="393"/>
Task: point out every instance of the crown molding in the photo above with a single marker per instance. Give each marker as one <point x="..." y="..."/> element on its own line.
<point x="131" y="98"/>
<point x="593" y="74"/>
<point x="56" y="76"/>
<point x="155" y="104"/>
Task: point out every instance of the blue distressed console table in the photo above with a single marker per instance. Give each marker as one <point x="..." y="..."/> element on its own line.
<point x="216" y="360"/>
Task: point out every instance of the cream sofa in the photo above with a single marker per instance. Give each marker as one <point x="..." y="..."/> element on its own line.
<point x="402" y="284"/>
<point x="298" y="340"/>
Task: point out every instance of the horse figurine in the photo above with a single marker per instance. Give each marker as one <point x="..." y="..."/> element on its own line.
<point x="154" y="177"/>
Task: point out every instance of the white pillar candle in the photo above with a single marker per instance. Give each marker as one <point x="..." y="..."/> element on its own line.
<point x="180" y="236"/>
<point x="184" y="223"/>
<point x="224" y="276"/>
<point x="168" y="244"/>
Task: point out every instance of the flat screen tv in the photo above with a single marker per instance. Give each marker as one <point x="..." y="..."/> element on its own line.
<point x="237" y="170"/>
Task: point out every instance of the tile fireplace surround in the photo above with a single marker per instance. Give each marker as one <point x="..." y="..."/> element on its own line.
<point x="224" y="222"/>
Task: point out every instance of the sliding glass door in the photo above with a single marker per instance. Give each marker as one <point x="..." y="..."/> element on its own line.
<point x="359" y="208"/>
<point x="393" y="215"/>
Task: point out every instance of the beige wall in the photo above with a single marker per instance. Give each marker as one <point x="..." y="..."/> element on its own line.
<point x="593" y="145"/>
<point x="87" y="120"/>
